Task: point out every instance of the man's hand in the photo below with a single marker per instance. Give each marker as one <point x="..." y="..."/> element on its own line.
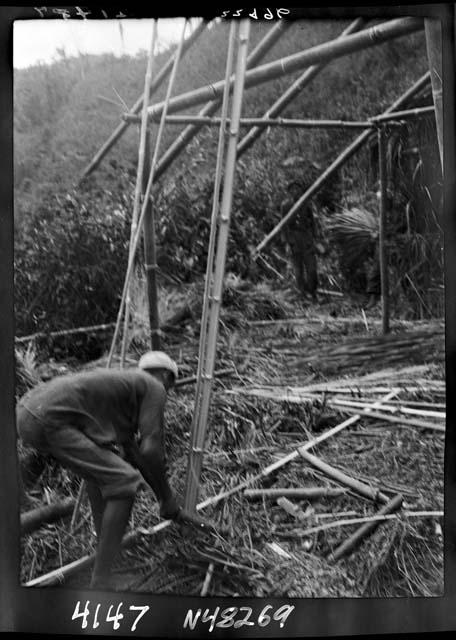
<point x="170" y="509"/>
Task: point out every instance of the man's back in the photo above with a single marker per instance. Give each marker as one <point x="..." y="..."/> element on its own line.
<point x="107" y="405"/>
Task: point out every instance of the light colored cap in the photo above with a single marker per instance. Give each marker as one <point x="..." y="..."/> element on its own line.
<point x="158" y="360"/>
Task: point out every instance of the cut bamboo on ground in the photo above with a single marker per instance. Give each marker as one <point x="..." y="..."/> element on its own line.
<point x="373" y="493"/>
<point x="369" y="527"/>
<point x="58" y="575"/>
<point x="307" y="493"/>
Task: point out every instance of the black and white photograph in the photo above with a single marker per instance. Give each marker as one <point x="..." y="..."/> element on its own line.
<point x="231" y="244"/>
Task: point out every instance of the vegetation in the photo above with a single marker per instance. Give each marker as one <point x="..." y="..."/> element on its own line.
<point x="71" y="251"/>
<point x="64" y="112"/>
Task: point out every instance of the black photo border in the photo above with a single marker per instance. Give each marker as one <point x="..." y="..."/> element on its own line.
<point x="49" y="610"/>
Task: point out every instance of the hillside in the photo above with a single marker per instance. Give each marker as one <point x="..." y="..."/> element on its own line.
<point x="65" y="111"/>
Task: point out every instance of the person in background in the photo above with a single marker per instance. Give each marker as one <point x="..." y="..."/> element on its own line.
<point x="300" y="236"/>
<point x="107" y="426"/>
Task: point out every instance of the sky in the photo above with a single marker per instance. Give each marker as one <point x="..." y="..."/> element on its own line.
<point x="39" y="40"/>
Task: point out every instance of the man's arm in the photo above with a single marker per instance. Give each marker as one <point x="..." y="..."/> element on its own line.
<point x="149" y="459"/>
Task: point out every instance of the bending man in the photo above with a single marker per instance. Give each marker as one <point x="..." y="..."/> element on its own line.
<point x="107" y="426"/>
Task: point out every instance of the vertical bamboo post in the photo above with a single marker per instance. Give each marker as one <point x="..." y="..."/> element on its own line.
<point x="214" y="217"/>
<point x="147" y="195"/>
<point x="200" y="421"/>
<point x="433" y="31"/>
<point x="382" y="248"/>
<point x="139" y="179"/>
<point x="150" y="258"/>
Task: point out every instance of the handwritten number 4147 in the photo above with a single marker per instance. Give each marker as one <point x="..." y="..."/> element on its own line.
<point x="112" y="616"/>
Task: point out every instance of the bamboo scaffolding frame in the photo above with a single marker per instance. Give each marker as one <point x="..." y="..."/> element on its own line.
<point x="319" y="54"/>
<point x="341" y="159"/>
<point x="58" y="575"/>
<point x="189" y="133"/>
<point x="136" y="108"/>
<point x="382" y="248"/>
<point x="143" y="134"/>
<point x="369" y="527"/>
<point x="147" y="195"/>
<point x="206" y="371"/>
<point x="288" y="96"/>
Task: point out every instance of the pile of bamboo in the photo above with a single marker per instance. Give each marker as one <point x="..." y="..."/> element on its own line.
<point x="375" y="352"/>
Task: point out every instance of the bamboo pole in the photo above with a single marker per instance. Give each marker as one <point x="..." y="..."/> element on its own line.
<point x="406" y="113"/>
<point x="217" y="374"/>
<point x="189" y="133"/>
<point x="397" y="420"/>
<point x="58" y="575"/>
<point x="366" y="529"/>
<point x="433" y="33"/>
<point x="315" y="55"/>
<point x="271" y="122"/>
<point x="150" y="260"/>
<point x="397" y="408"/>
<point x="296" y="88"/>
<point x="142" y="149"/>
<point x="377" y="518"/>
<point x="32" y="520"/>
<point x="341" y="159"/>
<point x="382" y="248"/>
<point x="147" y="195"/>
<point x="200" y="420"/>
<point x="136" y="108"/>
<point x="373" y="493"/>
<point x="208" y="283"/>
<point x="306" y="493"/>
<point x="294" y="454"/>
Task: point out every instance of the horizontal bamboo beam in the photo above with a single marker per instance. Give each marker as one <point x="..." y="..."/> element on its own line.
<point x="373" y="493"/>
<point x="266" y="122"/>
<point x="136" y="108"/>
<point x="341" y="159"/>
<point x="304" y="493"/>
<point x="366" y="529"/>
<point x="217" y="374"/>
<point x="406" y="113"/>
<point x="315" y="55"/>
